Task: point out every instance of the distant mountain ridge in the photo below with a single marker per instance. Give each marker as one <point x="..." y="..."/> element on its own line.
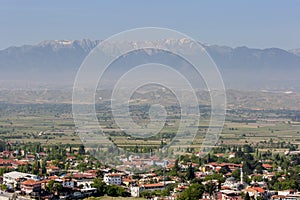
<point x="85" y="44"/>
<point x="295" y="51"/>
<point x="57" y="61"/>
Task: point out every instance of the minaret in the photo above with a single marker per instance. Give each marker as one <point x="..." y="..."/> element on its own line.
<point x="164" y="173"/>
<point x="241" y="169"/>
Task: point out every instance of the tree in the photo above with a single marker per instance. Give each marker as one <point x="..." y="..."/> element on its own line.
<point x="145" y="194"/>
<point x="210" y="187"/>
<point x="236" y="173"/>
<point x="166" y="192"/>
<point x="215" y="176"/>
<point x="43" y="167"/>
<point x="3" y="170"/>
<point x="82" y="166"/>
<point x="36" y="167"/>
<point x="285" y="185"/>
<point x="190" y="175"/>
<point x="194" y="192"/>
<point x="81" y="150"/>
<point x="4" y="187"/>
<point x="53" y="187"/>
<point x="112" y="190"/>
<point x="259" y="168"/>
<point x="208" y="158"/>
<point x="248" y="148"/>
<point x="224" y="170"/>
<point x="100" y="186"/>
<point x="122" y="192"/>
<point x="247" y="197"/>
<point x="176" y="167"/>
<point x="57" y="187"/>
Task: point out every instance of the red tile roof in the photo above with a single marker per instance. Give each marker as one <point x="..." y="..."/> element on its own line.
<point x="52" y="167"/>
<point x="84" y="175"/>
<point x="267" y="166"/>
<point x="111" y="175"/>
<point x="53" y="177"/>
<point x="128" y="180"/>
<point x="30" y="182"/>
<point x="153" y="185"/>
<point x="259" y="189"/>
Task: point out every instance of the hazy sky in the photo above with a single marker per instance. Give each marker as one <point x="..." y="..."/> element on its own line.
<point x="254" y="23"/>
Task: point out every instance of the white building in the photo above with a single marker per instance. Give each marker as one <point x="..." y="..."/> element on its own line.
<point x="136" y="190"/>
<point x="66" y="182"/>
<point x="86" y="183"/>
<point x="11" y="178"/>
<point x="286" y="192"/>
<point x="230" y="182"/>
<point x="112" y="179"/>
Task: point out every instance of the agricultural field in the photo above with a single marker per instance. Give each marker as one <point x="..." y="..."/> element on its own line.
<point x="48" y="122"/>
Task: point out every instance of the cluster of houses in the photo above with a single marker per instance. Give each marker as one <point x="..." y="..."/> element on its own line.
<point x="31" y="185"/>
<point x="74" y="183"/>
<point x="231" y="189"/>
<point x="77" y="184"/>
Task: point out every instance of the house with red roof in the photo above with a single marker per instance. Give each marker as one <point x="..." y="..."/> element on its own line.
<point x="267" y="166"/>
<point x="52" y="170"/>
<point x="30" y="186"/>
<point x="255" y="192"/>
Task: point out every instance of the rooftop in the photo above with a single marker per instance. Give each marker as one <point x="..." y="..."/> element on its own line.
<point x="30" y="182"/>
<point x="16" y="175"/>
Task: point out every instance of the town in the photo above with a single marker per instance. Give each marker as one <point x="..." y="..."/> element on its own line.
<point x="157" y="100"/>
<point x="228" y="172"/>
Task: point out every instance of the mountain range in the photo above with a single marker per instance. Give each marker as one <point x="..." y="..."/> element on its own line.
<point x="55" y="63"/>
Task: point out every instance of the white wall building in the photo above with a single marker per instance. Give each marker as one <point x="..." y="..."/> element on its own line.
<point x="112" y="179"/>
<point x="135" y="191"/>
<point x="87" y="183"/>
<point x="286" y="192"/>
<point x="10" y="178"/>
